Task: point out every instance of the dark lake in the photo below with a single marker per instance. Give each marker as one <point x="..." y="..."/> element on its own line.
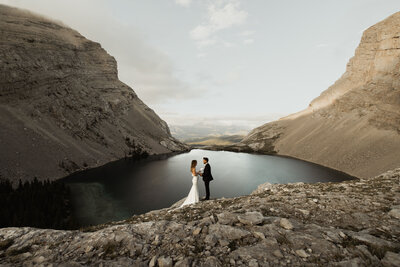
<point x="121" y="189"/>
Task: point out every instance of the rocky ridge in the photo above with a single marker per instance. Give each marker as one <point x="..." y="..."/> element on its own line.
<point x="62" y="105"/>
<point x="353" y="126"/>
<point x="352" y="223"/>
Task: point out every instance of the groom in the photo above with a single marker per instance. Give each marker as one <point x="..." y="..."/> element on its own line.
<point x="207" y="177"/>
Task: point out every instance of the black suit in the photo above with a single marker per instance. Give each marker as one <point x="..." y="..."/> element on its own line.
<point x="207" y="177"/>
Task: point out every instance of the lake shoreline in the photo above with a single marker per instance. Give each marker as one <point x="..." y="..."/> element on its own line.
<point x="248" y="150"/>
<point x="230" y="148"/>
<point x="72" y="178"/>
<point x="144" y="159"/>
<point x="69" y="210"/>
<point x="125" y="188"/>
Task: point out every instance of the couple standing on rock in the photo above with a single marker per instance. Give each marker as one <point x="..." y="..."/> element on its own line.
<point x="205" y="172"/>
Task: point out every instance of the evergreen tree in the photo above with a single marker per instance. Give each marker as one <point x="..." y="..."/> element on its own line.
<point x="37" y="204"/>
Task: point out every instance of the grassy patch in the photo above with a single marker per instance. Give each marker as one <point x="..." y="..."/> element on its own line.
<point x="198" y="248"/>
<point x="5" y="244"/>
<point x="233" y="245"/>
<point x="111" y="248"/>
<point x="377" y="251"/>
<point x="381" y="251"/>
<point x="283" y="240"/>
<point x="385" y="209"/>
<point x="17" y="251"/>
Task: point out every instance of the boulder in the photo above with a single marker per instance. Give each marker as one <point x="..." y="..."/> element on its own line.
<point x="251" y="218"/>
<point x="286" y="224"/>
<point x="227" y="232"/>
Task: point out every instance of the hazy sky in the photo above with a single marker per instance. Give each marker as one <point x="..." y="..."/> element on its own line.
<point x="223" y="61"/>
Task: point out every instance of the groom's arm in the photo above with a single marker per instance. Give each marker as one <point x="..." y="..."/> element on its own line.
<point x="210" y="173"/>
<point x="206" y="171"/>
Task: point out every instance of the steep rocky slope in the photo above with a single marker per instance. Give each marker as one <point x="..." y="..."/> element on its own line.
<point x="352" y="223"/>
<point x="354" y="125"/>
<point x="62" y="106"/>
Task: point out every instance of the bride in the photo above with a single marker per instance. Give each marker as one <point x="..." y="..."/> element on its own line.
<point x="193" y="196"/>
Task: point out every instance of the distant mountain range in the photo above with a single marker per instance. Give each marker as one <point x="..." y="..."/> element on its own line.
<point x="187" y="133"/>
<point x="224" y="140"/>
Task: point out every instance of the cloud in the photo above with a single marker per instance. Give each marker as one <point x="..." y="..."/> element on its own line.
<point x="201" y="55"/>
<point x="248" y="41"/>
<point x="247" y="121"/>
<point x="184" y="3"/>
<point x="247" y="33"/>
<point x="220" y="16"/>
<point x="321" y="45"/>
<point x="147" y="70"/>
<point x="226" y="16"/>
<point x="230" y="77"/>
<point x="201" y="32"/>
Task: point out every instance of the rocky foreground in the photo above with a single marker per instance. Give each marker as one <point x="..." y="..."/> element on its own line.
<point x="353" y="223"/>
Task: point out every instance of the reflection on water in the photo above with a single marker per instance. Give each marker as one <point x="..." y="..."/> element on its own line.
<point x="92" y="203"/>
<point x="119" y="190"/>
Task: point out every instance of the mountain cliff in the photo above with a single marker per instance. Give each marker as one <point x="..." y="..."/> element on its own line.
<point x="62" y="106"/>
<point x="353" y="126"/>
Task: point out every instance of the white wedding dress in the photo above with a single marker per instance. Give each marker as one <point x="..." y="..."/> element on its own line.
<point x="193" y="196"/>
